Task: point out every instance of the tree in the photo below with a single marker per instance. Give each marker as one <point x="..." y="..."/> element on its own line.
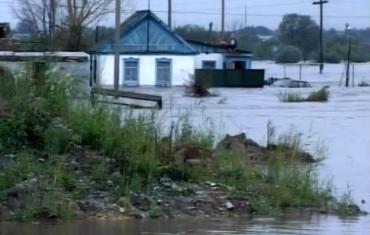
<point x="299" y="31"/>
<point x="67" y="18"/>
<point x="265" y="50"/>
<point x="288" y="54"/>
<point x="195" y="32"/>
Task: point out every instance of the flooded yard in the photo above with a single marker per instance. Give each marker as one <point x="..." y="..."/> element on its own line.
<point x="341" y="126"/>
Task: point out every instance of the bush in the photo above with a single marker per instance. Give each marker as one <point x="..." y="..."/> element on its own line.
<point x="364" y="84"/>
<point x="288" y="54"/>
<point x="290" y="97"/>
<point x="197" y="87"/>
<point x="321" y="95"/>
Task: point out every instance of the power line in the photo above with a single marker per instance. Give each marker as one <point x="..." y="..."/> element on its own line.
<point x="242" y="14"/>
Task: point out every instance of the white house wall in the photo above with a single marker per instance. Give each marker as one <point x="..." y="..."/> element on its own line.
<point x="218" y="57"/>
<point x="182" y="66"/>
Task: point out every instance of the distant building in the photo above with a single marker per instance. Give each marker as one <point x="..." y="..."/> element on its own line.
<point x="151" y="54"/>
<point x="265" y="37"/>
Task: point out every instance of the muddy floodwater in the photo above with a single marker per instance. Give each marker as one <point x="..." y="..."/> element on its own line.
<point x="339" y="128"/>
<point x="305" y="225"/>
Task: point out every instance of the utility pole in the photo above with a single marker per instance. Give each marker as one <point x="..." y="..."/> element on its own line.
<point x="321" y="3"/>
<point x="222" y="17"/>
<point x="348" y="55"/>
<point x="245" y="17"/>
<point x="52" y="13"/>
<point x="170" y="14"/>
<point x="116" y="45"/>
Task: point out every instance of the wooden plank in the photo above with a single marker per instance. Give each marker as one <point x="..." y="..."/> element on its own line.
<point x="127" y="94"/>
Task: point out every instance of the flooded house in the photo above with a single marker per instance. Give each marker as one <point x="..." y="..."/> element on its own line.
<point x="151" y="54"/>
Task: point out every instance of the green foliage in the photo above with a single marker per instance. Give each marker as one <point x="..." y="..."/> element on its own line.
<point x="197" y="87"/>
<point x="35" y="103"/>
<point x="196" y="32"/>
<point x="321" y="95"/>
<point x="59" y="139"/>
<point x="18" y="170"/>
<point x="288" y="54"/>
<point x="299" y="31"/>
<point x="332" y="58"/>
<point x="290" y="97"/>
<point x="55" y="206"/>
<point x="279" y="184"/>
<point x="183" y="131"/>
<point x="266" y="50"/>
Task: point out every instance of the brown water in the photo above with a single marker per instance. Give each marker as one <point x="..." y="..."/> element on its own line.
<point x="306" y="225"/>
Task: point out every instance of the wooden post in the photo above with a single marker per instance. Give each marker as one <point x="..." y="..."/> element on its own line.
<point x="117" y="46"/>
<point x="353" y="75"/>
<point x="300" y="72"/>
<point x="348" y="61"/>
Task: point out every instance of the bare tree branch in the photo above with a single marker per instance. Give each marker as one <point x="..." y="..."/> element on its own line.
<point x="73" y="17"/>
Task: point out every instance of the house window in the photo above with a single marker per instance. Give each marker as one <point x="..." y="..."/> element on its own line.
<point x="209" y="64"/>
<point x="131" y="72"/>
<point x="164" y="72"/>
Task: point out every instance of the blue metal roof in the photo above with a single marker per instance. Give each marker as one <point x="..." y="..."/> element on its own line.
<point x="145" y="33"/>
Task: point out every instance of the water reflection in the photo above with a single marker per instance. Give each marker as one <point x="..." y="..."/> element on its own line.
<point x="305" y="225"/>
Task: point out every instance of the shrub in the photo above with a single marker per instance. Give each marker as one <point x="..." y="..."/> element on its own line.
<point x="321" y="95"/>
<point x="288" y="54"/>
<point x="290" y="97"/>
<point x="197" y="87"/>
<point x="364" y="84"/>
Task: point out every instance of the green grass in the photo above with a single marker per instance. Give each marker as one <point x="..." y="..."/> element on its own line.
<point x="282" y="182"/>
<point x="321" y="95"/>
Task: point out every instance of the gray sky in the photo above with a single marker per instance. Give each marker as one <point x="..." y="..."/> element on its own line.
<point x="259" y="12"/>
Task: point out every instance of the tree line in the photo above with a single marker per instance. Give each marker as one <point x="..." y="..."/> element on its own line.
<point x="296" y="39"/>
<point x="70" y="25"/>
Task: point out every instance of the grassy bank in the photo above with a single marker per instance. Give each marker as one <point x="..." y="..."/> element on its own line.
<point x="57" y="153"/>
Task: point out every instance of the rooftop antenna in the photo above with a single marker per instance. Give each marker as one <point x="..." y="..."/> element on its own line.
<point x="148" y="5"/>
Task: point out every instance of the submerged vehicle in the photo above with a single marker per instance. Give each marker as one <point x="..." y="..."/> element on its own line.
<point x="288" y="83"/>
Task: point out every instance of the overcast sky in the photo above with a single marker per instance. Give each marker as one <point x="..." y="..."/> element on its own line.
<point x="259" y="12"/>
